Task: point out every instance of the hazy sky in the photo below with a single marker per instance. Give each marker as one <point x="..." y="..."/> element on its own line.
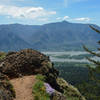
<point x="46" y="11"/>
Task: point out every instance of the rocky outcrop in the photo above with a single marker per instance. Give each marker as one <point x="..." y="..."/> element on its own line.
<point x="69" y="90"/>
<point x="6" y="89"/>
<point x="25" y="62"/>
<point x="58" y="96"/>
<point x="29" y="62"/>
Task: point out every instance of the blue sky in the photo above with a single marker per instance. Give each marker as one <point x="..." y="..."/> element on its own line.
<point x="45" y="11"/>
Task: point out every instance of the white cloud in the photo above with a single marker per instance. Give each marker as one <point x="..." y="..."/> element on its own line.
<point x="63" y="18"/>
<point x="66" y="17"/>
<point x="82" y="19"/>
<point x="25" y="12"/>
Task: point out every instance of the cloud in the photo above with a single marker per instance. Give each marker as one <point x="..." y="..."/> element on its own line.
<point x="66" y="17"/>
<point x="25" y="12"/>
<point x="82" y="19"/>
<point x="63" y="18"/>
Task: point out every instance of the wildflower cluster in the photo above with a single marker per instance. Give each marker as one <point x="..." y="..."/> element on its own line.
<point x="49" y="89"/>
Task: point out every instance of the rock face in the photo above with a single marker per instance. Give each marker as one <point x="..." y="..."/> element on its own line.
<point x="25" y="62"/>
<point x="6" y="89"/>
<point x="58" y="96"/>
<point x="69" y="90"/>
<point x="29" y="62"/>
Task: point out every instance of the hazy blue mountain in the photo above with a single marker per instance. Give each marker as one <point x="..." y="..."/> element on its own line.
<point x="10" y="41"/>
<point x="64" y="36"/>
<point x="53" y="36"/>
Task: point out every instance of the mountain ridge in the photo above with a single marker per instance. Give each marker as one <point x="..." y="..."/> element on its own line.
<point x="51" y="36"/>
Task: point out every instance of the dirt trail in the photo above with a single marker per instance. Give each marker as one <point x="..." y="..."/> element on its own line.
<point x="23" y="87"/>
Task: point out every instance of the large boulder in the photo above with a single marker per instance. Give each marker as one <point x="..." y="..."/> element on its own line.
<point x="25" y="62"/>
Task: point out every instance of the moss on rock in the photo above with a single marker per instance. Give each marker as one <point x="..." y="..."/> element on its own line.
<point x="69" y="90"/>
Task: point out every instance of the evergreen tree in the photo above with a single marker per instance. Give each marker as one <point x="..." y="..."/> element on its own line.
<point x="94" y="72"/>
<point x="91" y="89"/>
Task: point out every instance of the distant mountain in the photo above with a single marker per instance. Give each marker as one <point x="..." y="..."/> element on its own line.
<point x="53" y="36"/>
<point x="10" y="41"/>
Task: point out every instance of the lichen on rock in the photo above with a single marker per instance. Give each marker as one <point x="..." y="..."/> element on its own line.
<point x="58" y="96"/>
<point x="69" y="90"/>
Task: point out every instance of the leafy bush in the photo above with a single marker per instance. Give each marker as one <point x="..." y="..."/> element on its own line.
<point x="40" y="77"/>
<point x="39" y="90"/>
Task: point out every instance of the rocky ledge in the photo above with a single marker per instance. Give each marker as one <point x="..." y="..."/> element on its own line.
<point x="32" y="62"/>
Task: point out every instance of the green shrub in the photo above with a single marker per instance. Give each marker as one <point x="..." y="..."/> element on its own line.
<point x="39" y="90"/>
<point x="40" y="77"/>
<point x="2" y="55"/>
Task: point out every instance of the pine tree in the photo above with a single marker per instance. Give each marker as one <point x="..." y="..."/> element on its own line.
<point x="94" y="72"/>
<point x="91" y="89"/>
